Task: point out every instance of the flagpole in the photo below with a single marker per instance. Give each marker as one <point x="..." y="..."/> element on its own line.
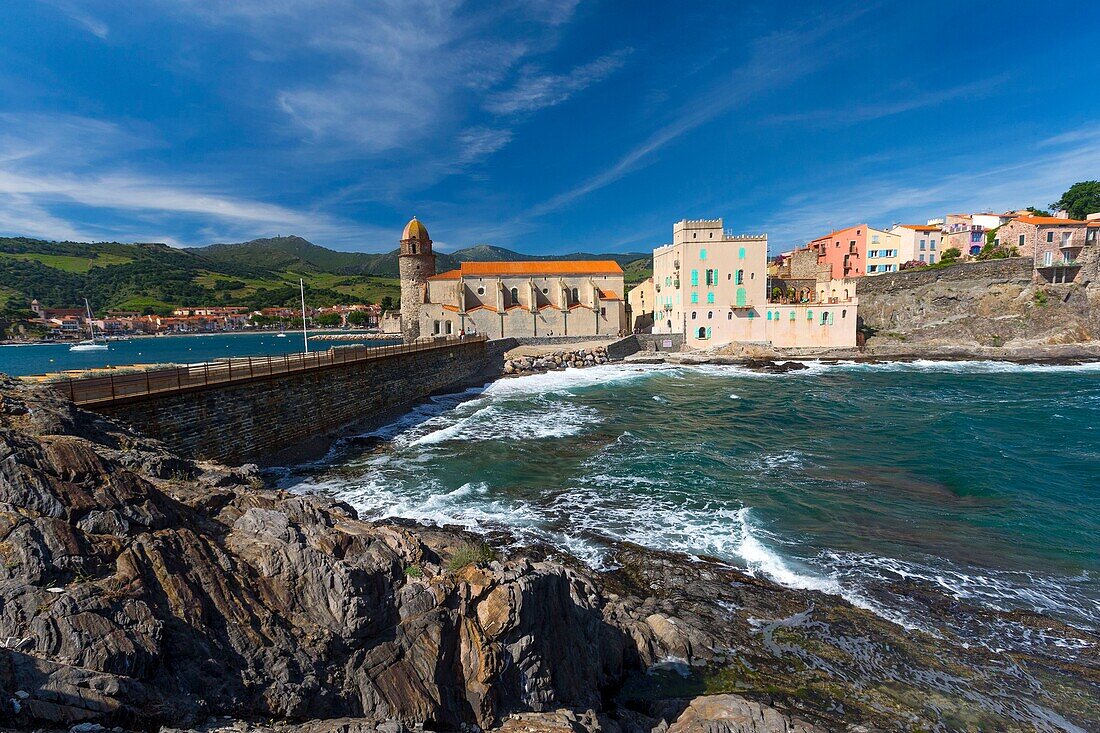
<point x="305" y="336"/>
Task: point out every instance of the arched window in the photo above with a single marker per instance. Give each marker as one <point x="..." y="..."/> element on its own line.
<point x="576" y="298"/>
<point x="710" y="314"/>
<point x="729" y="316"/>
<point x="693" y="315"/>
<point x="670" y="324"/>
<point x="414" y="247"/>
<point x="514" y="292"/>
<point x="702" y="332"/>
<point x="435" y="328"/>
<point x="769" y="315"/>
<point x="710" y="297"/>
<point x="448" y="330"/>
<point x="740" y="277"/>
<point x="844" y="313"/>
<point x="846" y="293"/>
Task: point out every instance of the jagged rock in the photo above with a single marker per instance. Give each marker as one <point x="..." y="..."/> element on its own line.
<point x="735" y="714"/>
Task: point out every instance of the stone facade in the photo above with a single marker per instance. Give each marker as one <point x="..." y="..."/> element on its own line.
<point x="415" y="263"/>
<point x="257" y="420"/>
<point x="527" y="299"/>
<point x="1053" y="244"/>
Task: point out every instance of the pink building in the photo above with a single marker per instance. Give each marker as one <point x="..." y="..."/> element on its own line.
<point x="845" y="251"/>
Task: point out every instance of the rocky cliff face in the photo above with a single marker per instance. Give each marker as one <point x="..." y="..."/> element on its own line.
<point x="140" y="590"/>
<point x="986" y="310"/>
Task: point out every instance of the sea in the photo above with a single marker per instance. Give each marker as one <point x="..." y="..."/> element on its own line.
<point x="22" y="360"/>
<point x="927" y="492"/>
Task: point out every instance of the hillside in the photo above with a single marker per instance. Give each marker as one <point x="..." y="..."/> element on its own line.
<point x="300" y="254"/>
<point x="256" y="274"/>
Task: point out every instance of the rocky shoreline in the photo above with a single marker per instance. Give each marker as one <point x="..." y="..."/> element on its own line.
<point x="536" y="363"/>
<point x="139" y="590"/>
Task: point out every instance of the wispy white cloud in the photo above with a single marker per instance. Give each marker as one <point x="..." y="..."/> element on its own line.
<point x="899" y="102"/>
<point x="96" y="26"/>
<point x="775" y="60"/>
<point x="536" y="89"/>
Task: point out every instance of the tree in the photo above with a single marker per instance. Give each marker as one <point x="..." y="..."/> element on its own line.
<point x="387" y="303"/>
<point x="1037" y="212"/>
<point x="1082" y="199"/>
<point x="328" y="319"/>
<point x="358" y="318"/>
<point x="950" y="255"/>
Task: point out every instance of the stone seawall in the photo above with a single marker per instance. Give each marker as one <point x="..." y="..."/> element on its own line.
<point x="288" y="416"/>
<point x="1013" y="269"/>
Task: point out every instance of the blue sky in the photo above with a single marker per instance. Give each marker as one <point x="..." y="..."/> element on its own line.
<point x="539" y="125"/>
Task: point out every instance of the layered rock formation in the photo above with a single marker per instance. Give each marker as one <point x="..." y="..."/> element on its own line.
<point x="576" y="359"/>
<point x="140" y="590"/>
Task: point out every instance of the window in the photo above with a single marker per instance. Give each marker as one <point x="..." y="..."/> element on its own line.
<point x="481" y="290"/>
<point x="740" y="297"/>
<point x="695" y="297"/>
<point x="931" y="259"/>
<point x="576" y="296"/>
<point x="1021" y="240"/>
<point x="844" y="313"/>
<point x="710" y="315"/>
<point x="703" y="254"/>
<point x="1048" y="258"/>
<point x="694" y="278"/>
<point x="922" y="244"/>
<point x="872" y="268"/>
<point x="711" y="279"/>
<point x="1050" y="236"/>
<point x="769" y="315"/>
<point x="922" y="258"/>
<point x="693" y="315"/>
<point x="741" y="253"/>
<point x="449" y="328"/>
<point x="435" y="328"/>
<point x="874" y="239"/>
<point x="710" y="297"/>
<point x="603" y="311"/>
<point x="668" y="281"/>
<point x="792" y="315"/>
<point x="545" y="291"/>
<point x="729" y="276"/>
<point x="702" y="332"/>
<point x="932" y="244"/>
<point x="740" y="277"/>
<point x="729" y="316"/>
<point x="824" y="318"/>
<point x="752" y="314"/>
<point x="514" y="292"/>
<point x="809" y="315"/>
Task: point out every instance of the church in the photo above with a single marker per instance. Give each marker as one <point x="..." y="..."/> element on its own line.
<point x="535" y="298"/>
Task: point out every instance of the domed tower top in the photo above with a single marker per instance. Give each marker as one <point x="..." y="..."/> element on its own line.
<point x="415" y="240"/>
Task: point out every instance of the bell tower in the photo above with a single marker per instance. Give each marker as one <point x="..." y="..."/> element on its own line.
<point x="415" y="263"/>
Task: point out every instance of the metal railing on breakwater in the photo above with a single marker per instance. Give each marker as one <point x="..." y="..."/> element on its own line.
<point x="106" y="389"/>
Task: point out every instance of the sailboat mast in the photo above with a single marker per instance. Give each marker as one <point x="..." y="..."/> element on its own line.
<point x="91" y="324"/>
<point x="305" y="336"/>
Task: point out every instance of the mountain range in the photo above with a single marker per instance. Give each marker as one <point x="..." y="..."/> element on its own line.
<point x="260" y="273"/>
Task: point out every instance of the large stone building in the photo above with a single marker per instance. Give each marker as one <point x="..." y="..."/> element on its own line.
<point x="1054" y="243"/>
<point x="499" y="299"/>
<point x="712" y="286"/>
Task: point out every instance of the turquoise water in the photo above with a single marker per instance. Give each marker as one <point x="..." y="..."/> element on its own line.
<point x="43" y="358"/>
<point x="903" y="487"/>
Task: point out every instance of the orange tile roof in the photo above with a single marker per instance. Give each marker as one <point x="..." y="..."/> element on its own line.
<point x="452" y="308"/>
<point x="1040" y="220"/>
<point x="1093" y="223"/>
<point x="542" y="267"/>
<point x="920" y="227"/>
<point x="608" y="295"/>
<point x="448" y="275"/>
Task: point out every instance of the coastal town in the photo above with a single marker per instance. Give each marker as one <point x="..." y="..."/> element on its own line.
<point x="709" y="287"/>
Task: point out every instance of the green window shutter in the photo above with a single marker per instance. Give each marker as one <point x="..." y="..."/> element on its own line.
<point x="695" y="278"/>
<point x="792" y="315"/>
<point x="710" y="297"/>
<point x="809" y="315"/>
<point x="741" y="253"/>
<point x="740" y="297"/>
<point x="708" y="332"/>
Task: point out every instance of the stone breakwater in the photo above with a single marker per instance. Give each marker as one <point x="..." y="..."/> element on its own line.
<point x="557" y="360"/>
<point x="140" y="589"/>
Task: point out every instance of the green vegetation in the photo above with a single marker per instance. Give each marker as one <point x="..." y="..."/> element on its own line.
<point x="950" y="255"/>
<point x="637" y="270"/>
<point x="1080" y="200"/>
<point x="1041" y="298"/>
<point x="471" y="554"/>
<point x="414" y="571"/>
<point x="1037" y="212"/>
<point x="996" y="252"/>
<point x="155" y="278"/>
